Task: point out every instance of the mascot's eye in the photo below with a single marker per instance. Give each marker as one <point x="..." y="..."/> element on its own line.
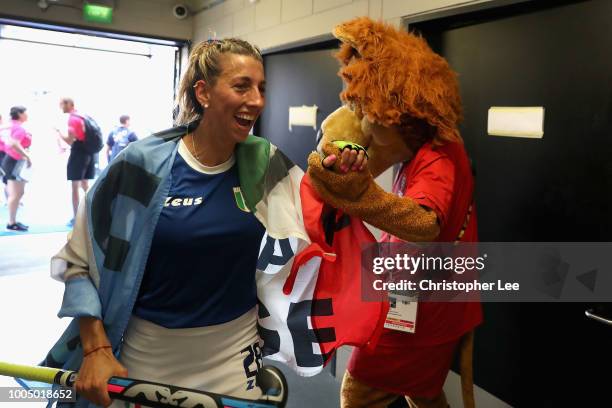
<point x="354" y="54"/>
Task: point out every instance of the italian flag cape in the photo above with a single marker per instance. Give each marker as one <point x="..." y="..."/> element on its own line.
<point x="309" y="273"/>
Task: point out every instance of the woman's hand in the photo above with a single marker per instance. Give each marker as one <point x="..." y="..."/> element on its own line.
<point x="16" y="145"/>
<point x="349" y="160"/>
<point x="97" y="368"/>
<point x="99" y="363"/>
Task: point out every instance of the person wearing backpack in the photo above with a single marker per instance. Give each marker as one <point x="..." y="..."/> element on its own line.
<point x="119" y="138"/>
<point x="85" y="138"/>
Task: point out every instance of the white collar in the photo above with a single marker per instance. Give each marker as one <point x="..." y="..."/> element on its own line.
<point x="199" y="167"/>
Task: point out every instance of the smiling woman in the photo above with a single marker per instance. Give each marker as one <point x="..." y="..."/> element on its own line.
<point x="191" y="317"/>
<point x="224" y="89"/>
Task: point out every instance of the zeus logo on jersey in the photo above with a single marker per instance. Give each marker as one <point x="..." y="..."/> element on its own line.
<point x="183" y="202"/>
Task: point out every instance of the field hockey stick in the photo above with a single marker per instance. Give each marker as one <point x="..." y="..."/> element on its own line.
<point x="270" y="379"/>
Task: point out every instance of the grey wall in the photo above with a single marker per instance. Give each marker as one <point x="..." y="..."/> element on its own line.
<point x="273" y="23"/>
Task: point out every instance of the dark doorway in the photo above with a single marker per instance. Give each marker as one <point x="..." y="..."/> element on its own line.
<point x="559" y="188"/>
<point x="302" y="76"/>
<point x="306" y="76"/>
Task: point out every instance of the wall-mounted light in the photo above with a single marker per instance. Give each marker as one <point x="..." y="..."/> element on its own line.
<point x="303" y="116"/>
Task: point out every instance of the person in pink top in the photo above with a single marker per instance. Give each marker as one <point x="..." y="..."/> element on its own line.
<point x="1" y="141"/>
<point x="2" y="154"/>
<point x="81" y="164"/>
<point x="16" y="142"/>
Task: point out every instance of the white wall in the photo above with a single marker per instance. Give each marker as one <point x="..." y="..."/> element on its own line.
<point x="144" y="17"/>
<point x="273" y="23"/>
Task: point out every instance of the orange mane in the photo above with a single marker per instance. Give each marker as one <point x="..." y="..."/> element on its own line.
<point x="393" y="77"/>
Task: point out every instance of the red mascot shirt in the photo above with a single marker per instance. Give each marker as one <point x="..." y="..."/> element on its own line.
<point x="439" y="178"/>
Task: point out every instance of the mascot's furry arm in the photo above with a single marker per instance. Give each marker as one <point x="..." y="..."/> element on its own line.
<point x="357" y="194"/>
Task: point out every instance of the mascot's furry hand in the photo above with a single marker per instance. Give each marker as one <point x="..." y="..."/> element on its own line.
<point x="356" y="192"/>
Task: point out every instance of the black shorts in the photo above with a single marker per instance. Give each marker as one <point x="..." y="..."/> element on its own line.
<point x="2" y="154"/>
<point x="11" y="168"/>
<point x="81" y="165"/>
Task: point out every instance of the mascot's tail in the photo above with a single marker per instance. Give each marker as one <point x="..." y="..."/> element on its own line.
<point x="466" y="350"/>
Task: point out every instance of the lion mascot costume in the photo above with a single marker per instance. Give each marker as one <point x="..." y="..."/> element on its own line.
<point x="402" y="105"/>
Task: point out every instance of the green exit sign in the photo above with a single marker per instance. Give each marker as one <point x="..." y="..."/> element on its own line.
<point x="97" y="14"/>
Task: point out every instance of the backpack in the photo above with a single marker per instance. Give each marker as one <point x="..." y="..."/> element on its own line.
<point x="93" y="142"/>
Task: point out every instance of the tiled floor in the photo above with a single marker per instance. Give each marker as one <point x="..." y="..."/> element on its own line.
<point x="29" y="301"/>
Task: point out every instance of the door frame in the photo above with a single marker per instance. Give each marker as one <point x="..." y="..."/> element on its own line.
<point x="96" y="32"/>
<point x="300" y="45"/>
<point x="181" y="55"/>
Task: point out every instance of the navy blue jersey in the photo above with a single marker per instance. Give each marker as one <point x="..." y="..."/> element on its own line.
<point x="201" y="268"/>
<point x="118" y="139"/>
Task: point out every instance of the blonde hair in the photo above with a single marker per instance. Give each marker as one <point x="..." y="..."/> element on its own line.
<point x="205" y="64"/>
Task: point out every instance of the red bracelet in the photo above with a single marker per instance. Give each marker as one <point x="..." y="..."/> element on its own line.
<point x="96" y="349"/>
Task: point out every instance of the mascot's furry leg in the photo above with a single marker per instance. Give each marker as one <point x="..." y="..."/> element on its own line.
<point x="355" y="394"/>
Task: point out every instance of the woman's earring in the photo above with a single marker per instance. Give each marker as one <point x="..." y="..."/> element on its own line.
<point x="205" y="105"/>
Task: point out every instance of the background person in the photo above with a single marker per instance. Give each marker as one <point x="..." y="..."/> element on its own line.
<point x="15" y="158"/>
<point x="119" y="138"/>
<point x="2" y="135"/>
<point x="81" y="164"/>
<point x="3" y="132"/>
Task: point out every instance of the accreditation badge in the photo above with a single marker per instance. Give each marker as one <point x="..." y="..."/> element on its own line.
<point x="402" y="311"/>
